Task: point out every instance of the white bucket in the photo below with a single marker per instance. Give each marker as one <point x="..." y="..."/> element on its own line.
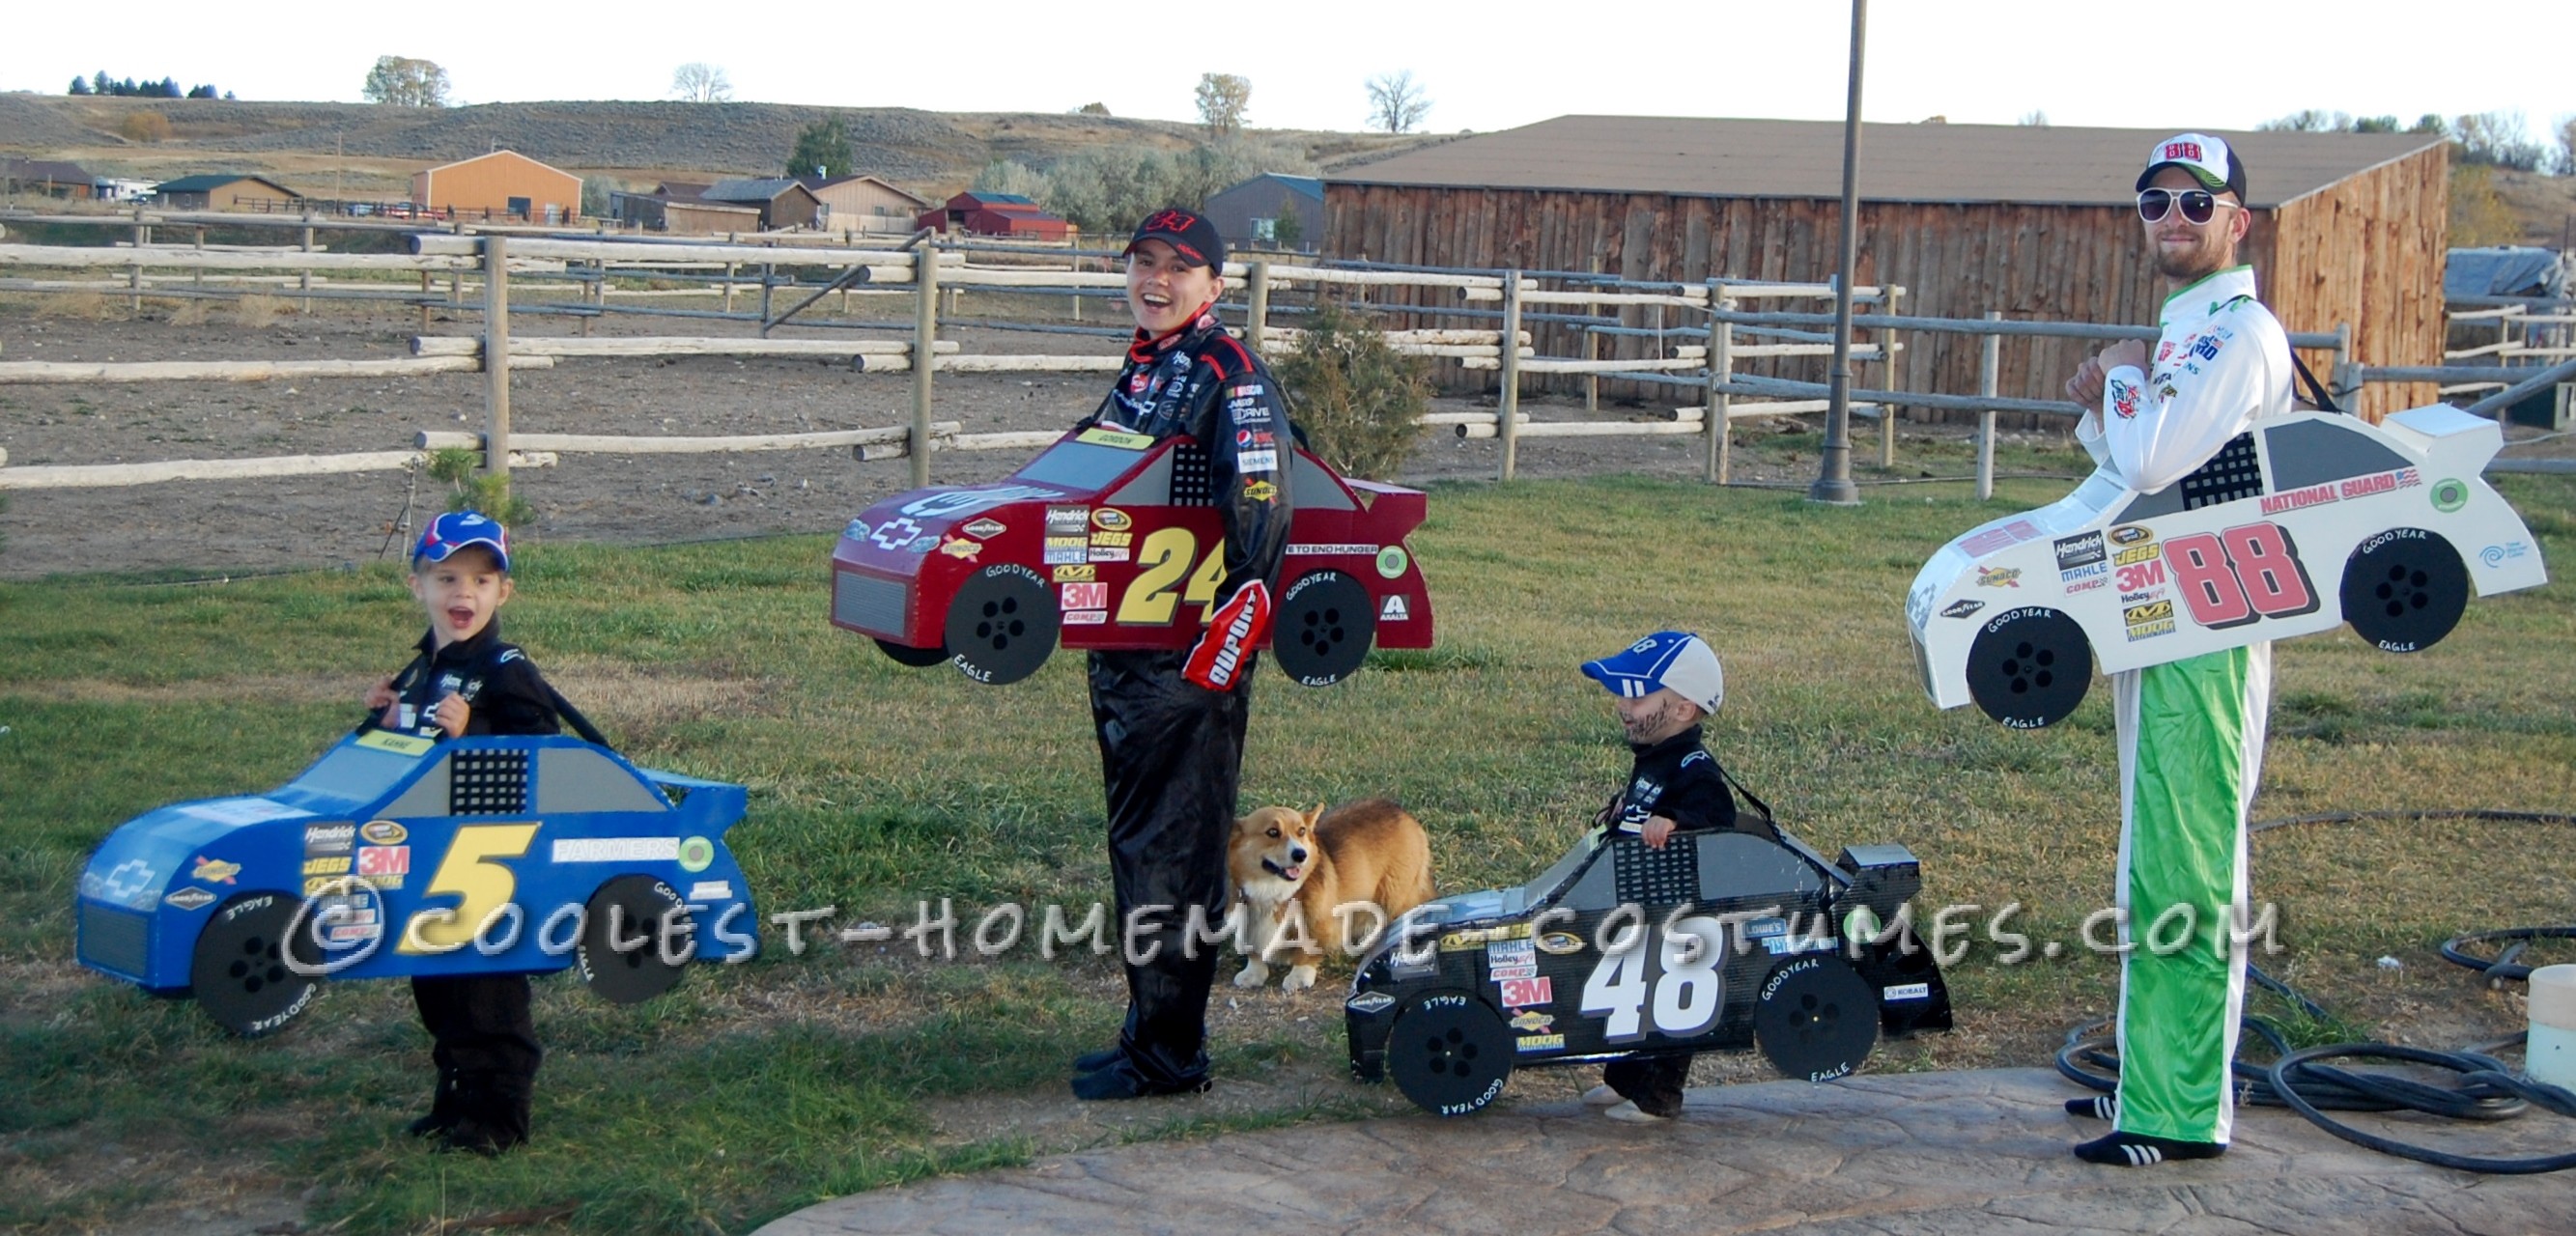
<point x="2551" y="1055"/>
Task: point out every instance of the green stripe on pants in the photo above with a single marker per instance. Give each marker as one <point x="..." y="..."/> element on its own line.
<point x="2185" y="811"/>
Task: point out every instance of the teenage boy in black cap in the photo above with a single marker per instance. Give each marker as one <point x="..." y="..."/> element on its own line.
<point x="1171" y="723"/>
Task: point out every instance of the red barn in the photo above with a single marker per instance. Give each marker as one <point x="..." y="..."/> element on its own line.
<point x="995" y="214"/>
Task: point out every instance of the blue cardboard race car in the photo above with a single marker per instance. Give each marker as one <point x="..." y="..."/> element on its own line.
<point x="395" y="856"/>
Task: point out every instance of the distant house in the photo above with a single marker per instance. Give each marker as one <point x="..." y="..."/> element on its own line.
<point x="502" y="184"/>
<point x="676" y="206"/>
<point x="1250" y="213"/>
<point x="995" y="214"/>
<point x="51" y="177"/>
<point x="226" y="191"/>
<point x="782" y="202"/>
<point x="864" y="204"/>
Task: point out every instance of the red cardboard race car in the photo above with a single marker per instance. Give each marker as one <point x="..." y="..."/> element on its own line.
<point x="1108" y="540"/>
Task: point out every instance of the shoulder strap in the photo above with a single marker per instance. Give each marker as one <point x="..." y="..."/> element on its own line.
<point x="1749" y="796"/>
<point x="2316" y="390"/>
<point x="580" y="724"/>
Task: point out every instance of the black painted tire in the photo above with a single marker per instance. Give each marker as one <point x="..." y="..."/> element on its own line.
<point x="1816" y="1017"/>
<point x="1450" y="1053"/>
<point x="2403" y="589"/>
<point x="1002" y="625"/>
<point x="238" y="971"/>
<point x="1325" y="625"/>
<point x="2030" y="667"/>
<point x="630" y="975"/>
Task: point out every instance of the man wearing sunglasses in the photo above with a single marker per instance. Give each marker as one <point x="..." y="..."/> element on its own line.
<point x="2190" y="731"/>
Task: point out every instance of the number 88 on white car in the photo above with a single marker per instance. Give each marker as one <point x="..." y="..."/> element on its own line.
<point x="2300" y="524"/>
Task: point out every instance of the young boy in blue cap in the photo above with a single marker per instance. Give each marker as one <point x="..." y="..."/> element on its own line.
<point x="466" y="681"/>
<point x="1663" y="686"/>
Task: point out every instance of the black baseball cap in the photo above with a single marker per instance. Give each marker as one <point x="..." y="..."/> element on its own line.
<point x="1188" y="233"/>
<point x="2208" y="158"/>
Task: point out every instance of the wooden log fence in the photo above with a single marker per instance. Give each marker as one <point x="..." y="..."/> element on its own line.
<point x="1735" y="331"/>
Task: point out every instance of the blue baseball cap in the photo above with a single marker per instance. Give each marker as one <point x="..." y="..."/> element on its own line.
<point x="457" y="529"/>
<point x="1675" y="659"/>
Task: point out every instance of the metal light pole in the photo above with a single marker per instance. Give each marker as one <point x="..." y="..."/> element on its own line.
<point x="1834" y="483"/>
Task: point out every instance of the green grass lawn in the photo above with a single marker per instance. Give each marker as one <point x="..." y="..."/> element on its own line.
<point x="753" y="1090"/>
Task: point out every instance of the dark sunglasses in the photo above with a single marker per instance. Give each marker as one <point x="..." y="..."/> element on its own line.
<point x="2198" y="205"/>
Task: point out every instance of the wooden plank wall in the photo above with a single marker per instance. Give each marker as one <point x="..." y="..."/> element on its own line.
<point x="2369" y="249"/>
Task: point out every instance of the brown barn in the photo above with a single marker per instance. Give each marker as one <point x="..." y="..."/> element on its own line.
<point x="2036" y="222"/>
<point x="226" y="191"/>
<point x="862" y="204"/>
<point x="676" y="206"/>
<point x="50" y="177"/>
<point x="781" y="201"/>
<point x="502" y="184"/>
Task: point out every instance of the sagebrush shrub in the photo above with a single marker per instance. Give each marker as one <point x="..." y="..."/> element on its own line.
<point x="1360" y="401"/>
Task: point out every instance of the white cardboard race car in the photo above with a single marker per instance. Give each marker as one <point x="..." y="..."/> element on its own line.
<point x="2300" y="524"/>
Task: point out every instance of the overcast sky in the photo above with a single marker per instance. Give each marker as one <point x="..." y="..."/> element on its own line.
<point x="2221" y="64"/>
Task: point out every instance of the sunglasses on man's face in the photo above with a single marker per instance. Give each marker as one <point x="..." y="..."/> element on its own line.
<point x="2198" y="205"/>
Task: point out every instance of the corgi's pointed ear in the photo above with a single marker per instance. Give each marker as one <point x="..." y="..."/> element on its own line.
<point x="1314" y="815"/>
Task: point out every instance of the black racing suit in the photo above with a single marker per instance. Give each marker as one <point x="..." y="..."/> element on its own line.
<point x="1171" y="748"/>
<point x="483" y="1036"/>
<point x="1679" y="780"/>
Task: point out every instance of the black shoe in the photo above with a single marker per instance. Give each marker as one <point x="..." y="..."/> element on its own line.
<point x="1122" y="1081"/>
<point x="473" y="1136"/>
<point x="1094" y="1061"/>
<point x="2143" y="1149"/>
<point x="443" y="1110"/>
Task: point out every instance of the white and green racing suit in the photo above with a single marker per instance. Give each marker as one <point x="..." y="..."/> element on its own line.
<point x="2190" y="731"/>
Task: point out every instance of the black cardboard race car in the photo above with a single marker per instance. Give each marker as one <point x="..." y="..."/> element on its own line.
<point x="1717" y="942"/>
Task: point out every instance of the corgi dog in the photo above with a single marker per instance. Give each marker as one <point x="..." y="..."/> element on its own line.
<point x="1313" y="882"/>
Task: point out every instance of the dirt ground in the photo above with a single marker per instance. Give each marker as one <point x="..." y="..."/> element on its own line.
<point x="219" y="527"/>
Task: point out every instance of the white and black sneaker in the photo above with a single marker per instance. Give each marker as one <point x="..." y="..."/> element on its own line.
<point x="2098" y="1107"/>
<point x="2143" y="1150"/>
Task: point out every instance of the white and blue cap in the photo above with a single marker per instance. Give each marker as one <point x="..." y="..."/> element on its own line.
<point x="457" y="529"/>
<point x="1675" y="659"/>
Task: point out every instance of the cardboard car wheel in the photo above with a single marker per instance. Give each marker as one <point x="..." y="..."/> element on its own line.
<point x="616" y="966"/>
<point x="239" y="971"/>
<point x="1450" y="1053"/>
<point x="1816" y="1017"/>
<point x="2030" y="667"/>
<point x="916" y="658"/>
<point x="1002" y="624"/>
<point x="2403" y="589"/>
<point x="1325" y="625"/>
